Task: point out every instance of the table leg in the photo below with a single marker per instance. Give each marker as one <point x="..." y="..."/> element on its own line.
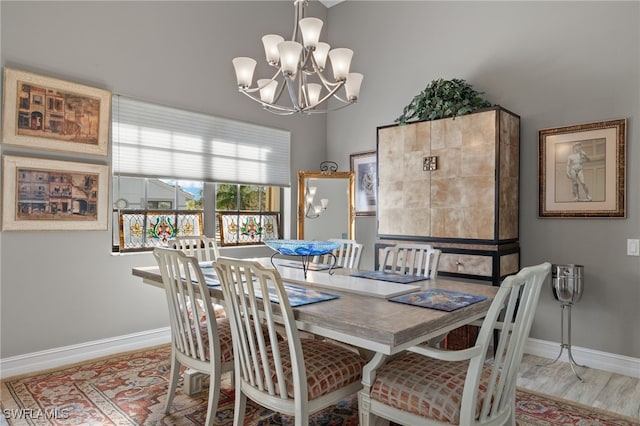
<point x="192" y="384"/>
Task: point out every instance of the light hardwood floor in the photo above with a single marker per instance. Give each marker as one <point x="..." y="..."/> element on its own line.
<point x="600" y="389"/>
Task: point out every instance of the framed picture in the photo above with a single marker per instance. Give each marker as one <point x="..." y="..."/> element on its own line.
<point x="47" y="113"/>
<point x="582" y="170"/>
<point x="52" y="195"/>
<point x="363" y="166"/>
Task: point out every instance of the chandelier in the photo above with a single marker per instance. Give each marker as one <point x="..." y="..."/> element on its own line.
<point x="314" y="211"/>
<point x="300" y="66"/>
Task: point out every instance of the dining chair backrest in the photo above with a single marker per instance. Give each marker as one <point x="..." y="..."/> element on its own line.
<point x="271" y="370"/>
<point x="243" y="285"/>
<point x="478" y="391"/>
<point x="520" y="293"/>
<point x="195" y="332"/>
<point x="346" y="256"/>
<point x="411" y="259"/>
<point x="200" y="246"/>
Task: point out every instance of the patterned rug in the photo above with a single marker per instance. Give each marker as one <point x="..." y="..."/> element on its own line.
<point x="129" y="389"/>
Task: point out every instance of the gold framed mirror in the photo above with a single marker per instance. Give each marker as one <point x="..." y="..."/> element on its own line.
<point x="326" y="205"/>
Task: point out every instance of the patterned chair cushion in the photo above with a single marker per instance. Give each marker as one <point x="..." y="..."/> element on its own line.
<point x="329" y="367"/>
<point x="224" y="333"/>
<point x="425" y="386"/>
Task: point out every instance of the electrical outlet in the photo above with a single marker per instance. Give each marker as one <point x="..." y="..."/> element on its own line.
<point x="633" y="247"/>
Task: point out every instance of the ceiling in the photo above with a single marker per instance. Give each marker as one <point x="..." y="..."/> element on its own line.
<point x="329" y="3"/>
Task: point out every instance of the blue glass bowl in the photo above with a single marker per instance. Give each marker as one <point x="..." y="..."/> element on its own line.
<point x="302" y="247"/>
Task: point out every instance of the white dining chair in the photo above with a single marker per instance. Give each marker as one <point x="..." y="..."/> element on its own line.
<point x="346" y="256"/>
<point x="200" y="246"/>
<point x="204" y="249"/>
<point x="199" y="341"/>
<point x="429" y="386"/>
<point x="410" y="258"/>
<point x="292" y="376"/>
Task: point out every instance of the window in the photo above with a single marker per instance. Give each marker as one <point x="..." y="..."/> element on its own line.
<point x="247" y="214"/>
<point x="183" y="173"/>
<point x="242" y="214"/>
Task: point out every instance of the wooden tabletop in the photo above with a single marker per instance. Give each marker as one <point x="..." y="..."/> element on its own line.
<point x="371" y="322"/>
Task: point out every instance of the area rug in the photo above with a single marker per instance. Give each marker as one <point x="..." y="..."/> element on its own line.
<point x="129" y="389"/>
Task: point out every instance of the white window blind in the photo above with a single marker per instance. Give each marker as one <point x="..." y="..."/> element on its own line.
<point x="151" y="140"/>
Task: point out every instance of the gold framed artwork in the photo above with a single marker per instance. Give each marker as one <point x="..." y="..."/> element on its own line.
<point x="582" y="170"/>
<point x="363" y="165"/>
<point x="51" y="195"/>
<point x="47" y="113"/>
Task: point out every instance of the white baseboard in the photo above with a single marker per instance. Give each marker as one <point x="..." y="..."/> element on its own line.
<point x="612" y="363"/>
<point x="52" y="358"/>
<point x="56" y="357"/>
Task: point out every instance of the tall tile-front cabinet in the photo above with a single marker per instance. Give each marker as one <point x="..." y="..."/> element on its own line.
<point x="453" y="183"/>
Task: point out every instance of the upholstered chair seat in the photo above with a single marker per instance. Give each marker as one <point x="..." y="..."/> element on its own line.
<point x="329" y="368"/>
<point x="224" y="335"/>
<point x="426" y="387"/>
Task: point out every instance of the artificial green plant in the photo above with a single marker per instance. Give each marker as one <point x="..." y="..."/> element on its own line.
<point x="443" y="99"/>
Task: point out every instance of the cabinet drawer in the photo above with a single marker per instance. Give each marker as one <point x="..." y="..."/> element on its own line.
<point x="468" y="264"/>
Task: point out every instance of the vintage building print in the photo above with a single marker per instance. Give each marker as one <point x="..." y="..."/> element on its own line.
<point x="52" y="113"/>
<point x="56" y="195"/>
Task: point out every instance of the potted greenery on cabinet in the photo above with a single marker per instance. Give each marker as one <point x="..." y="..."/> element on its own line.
<point x="443" y="99"/>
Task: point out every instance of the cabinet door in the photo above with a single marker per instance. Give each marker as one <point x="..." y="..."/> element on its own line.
<point x="403" y="187"/>
<point x="464" y="185"/>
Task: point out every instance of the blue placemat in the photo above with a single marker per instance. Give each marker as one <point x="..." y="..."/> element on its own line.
<point x="209" y="273"/>
<point x="211" y="277"/>
<point x="299" y="296"/>
<point x="393" y="277"/>
<point x="442" y="300"/>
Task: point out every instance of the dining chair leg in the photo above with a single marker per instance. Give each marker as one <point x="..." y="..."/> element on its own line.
<point x="173" y="382"/>
<point x="239" y="407"/>
<point x="214" y="396"/>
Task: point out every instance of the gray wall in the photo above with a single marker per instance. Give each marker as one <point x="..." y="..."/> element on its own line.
<point x="552" y="63"/>
<point x="60" y="289"/>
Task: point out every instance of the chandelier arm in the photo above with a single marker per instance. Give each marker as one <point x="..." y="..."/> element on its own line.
<point x="270" y="107"/>
<point x="283" y="113"/>
<point x="309" y="216"/>
<point x="346" y="101"/>
<point x="279" y="92"/>
<point x="299" y="14"/>
<point x="330" y="94"/>
<point x="326" y="110"/>
<point x="292" y="92"/>
<point x="328" y="84"/>
<point x="302" y="94"/>
<point x="257" y="88"/>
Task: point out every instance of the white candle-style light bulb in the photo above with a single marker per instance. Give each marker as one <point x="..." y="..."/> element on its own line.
<point x="340" y="62"/>
<point x="352" y="86"/>
<point x="289" y="56"/>
<point x="310" y="29"/>
<point x="320" y="54"/>
<point x="311" y="193"/>
<point x="244" y="70"/>
<point x="267" y="89"/>
<point x="270" y="43"/>
<point x="313" y="93"/>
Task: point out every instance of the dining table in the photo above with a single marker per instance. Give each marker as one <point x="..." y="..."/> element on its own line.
<point x="361" y="312"/>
